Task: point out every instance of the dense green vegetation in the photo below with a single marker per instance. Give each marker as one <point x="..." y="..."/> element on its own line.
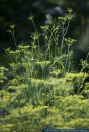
<point x="40" y="88"/>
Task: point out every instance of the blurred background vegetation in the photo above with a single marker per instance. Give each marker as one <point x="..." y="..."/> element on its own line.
<point x="17" y="12"/>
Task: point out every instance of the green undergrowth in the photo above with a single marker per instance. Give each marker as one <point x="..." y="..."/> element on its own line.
<point x="40" y="88"/>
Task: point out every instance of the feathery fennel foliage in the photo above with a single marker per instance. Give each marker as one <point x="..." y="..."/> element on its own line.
<point x="39" y="89"/>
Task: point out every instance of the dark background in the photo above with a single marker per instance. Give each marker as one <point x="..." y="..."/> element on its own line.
<point x="17" y="12"/>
